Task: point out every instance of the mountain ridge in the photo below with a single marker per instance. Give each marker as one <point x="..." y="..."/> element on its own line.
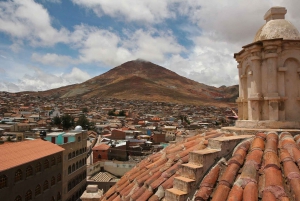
<point x="143" y="80"/>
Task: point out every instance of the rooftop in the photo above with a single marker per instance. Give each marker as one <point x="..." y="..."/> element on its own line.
<point x="15" y="154"/>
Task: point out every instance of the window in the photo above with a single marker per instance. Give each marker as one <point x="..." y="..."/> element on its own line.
<point x="69" y="170"/>
<point x="59" y="159"/>
<point x="18" y="198"/>
<point x="69" y="156"/>
<point x="29" y="171"/>
<point x="76" y="165"/>
<point x="46" y="164"/>
<point x="52" y="161"/>
<point x="46" y="185"/>
<point x="77" y="153"/>
<point x="3" y="181"/>
<point x="73" y="167"/>
<point x="28" y="195"/>
<point x="73" y="154"/>
<point x="18" y="175"/>
<point x="52" y="181"/>
<point x="58" y="197"/>
<point x="38" y="167"/>
<point x="58" y="177"/>
<point x="79" y="139"/>
<point x="37" y="190"/>
<point x="69" y="186"/>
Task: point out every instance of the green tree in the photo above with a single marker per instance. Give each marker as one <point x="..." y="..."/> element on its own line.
<point x="85" y="110"/>
<point x="112" y="112"/>
<point x="187" y="120"/>
<point x="56" y="121"/>
<point x="83" y="122"/>
<point x="122" y="113"/>
<point x="67" y="121"/>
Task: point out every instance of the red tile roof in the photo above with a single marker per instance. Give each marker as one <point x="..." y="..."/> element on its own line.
<point x="15" y="154"/>
<point x="269" y="171"/>
<point x="153" y="175"/>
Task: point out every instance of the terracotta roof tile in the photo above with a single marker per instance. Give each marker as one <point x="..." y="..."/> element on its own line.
<point x="121" y="187"/>
<point x="154" y="175"/>
<point x="221" y="193"/>
<point x="101" y="147"/>
<point x="112" y="197"/>
<point x="169" y="182"/>
<point x="208" y="183"/>
<point x="15" y="154"/>
<point x="118" y="198"/>
<point x="236" y="193"/>
<point x="250" y="192"/>
<point x="151" y="179"/>
<point x="110" y="191"/>
<point x="127" y="189"/>
<point x="158" y="182"/>
<point x="147" y="194"/>
<point x="138" y="193"/>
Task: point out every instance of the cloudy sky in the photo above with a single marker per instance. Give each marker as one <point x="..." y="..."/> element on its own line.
<point x="46" y="44"/>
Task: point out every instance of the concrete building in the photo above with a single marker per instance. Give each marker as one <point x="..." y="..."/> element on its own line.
<point x="74" y="156"/>
<point x="269" y="69"/>
<point x="31" y="170"/>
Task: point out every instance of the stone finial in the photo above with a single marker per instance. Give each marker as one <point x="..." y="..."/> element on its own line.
<point x="92" y="189"/>
<point x="275" y="13"/>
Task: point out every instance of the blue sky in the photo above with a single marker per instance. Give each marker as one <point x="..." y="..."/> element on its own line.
<point x="46" y="44"/>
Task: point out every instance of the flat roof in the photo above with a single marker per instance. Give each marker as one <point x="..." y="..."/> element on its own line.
<point x="55" y="133"/>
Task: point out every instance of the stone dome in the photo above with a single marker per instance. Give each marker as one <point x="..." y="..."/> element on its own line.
<point x="277" y="27"/>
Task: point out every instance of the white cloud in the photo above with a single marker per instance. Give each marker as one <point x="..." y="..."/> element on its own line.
<point x="217" y="30"/>
<point x="223" y="28"/>
<point x="40" y="80"/>
<point x="130" y="10"/>
<point x="76" y="76"/>
<point x="29" y="21"/>
<point x="53" y="59"/>
<point x="97" y="45"/>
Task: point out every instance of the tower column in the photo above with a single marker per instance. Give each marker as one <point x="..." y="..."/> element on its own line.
<point x="255" y="94"/>
<point x="272" y="95"/>
<point x="239" y="100"/>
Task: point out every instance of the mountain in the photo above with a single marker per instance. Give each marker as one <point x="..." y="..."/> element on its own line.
<point x="143" y="80"/>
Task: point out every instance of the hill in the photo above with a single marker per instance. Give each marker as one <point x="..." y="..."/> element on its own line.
<point x="142" y="80"/>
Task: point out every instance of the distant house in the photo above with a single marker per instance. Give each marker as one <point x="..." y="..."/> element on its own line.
<point x="118" y="135"/>
<point x="100" y="152"/>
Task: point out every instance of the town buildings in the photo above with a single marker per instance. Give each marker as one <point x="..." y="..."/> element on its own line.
<point x="219" y="165"/>
<point x="31" y="170"/>
<point x="74" y="175"/>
